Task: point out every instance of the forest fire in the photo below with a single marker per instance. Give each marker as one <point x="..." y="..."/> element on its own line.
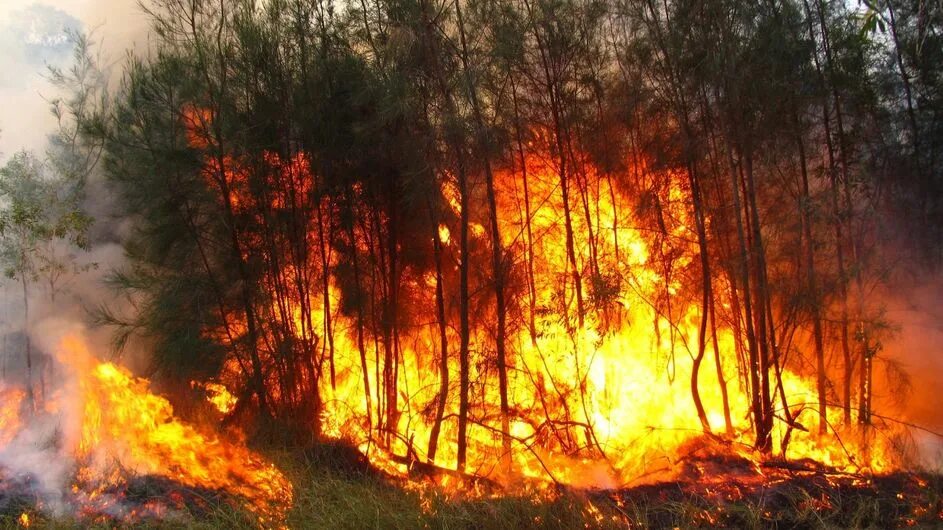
<point x="599" y="381"/>
<point x="605" y="404"/>
<point x="118" y="441"/>
<point x="598" y="389"/>
<point x="644" y="253"/>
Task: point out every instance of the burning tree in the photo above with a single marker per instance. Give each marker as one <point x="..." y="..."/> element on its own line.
<point x="492" y="236"/>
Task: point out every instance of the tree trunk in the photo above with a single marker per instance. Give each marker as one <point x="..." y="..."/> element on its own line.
<point x="360" y="314"/>
<point x="497" y="266"/>
<point x="326" y="290"/>
<point x="765" y="334"/>
<point x="531" y="281"/>
<point x="805" y="218"/>
<point x="705" y="294"/>
<point x="443" y="346"/>
<point x="30" y="397"/>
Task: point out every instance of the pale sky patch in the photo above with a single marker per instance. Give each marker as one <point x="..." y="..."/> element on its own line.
<point x="33" y="34"/>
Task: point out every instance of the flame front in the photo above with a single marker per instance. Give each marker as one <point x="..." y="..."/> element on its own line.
<point x="124" y="430"/>
<point x="604" y="325"/>
<point x="605" y="404"/>
<point x="11" y="401"/>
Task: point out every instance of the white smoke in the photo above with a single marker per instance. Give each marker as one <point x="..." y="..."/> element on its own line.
<point x="33" y="36"/>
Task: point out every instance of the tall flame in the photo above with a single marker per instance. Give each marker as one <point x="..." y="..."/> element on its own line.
<point x="604" y="399"/>
<point x="605" y="404"/>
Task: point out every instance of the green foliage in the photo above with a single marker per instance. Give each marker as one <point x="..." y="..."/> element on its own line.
<point x="38" y="225"/>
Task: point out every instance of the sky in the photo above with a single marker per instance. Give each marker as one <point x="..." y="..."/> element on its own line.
<point x="33" y="34"/>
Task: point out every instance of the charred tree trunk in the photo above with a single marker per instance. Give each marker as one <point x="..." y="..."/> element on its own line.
<point x="455" y="144"/>
<point x="848" y="361"/>
<point x="361" y="349"/>
<point x="531" y="280"/>
<point x="765" y="335"/>
<point x="705" y="294"/>
<point x="326" y="292"/>
<point x="756" y="404"/>
<point x="464" y="325"/>
<point x="391" y="314"/>
<point x="718" y="366"/>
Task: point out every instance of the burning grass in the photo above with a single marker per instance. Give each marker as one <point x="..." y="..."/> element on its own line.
<point x="104" y="448"/>
<point x="336" y="488"/>
<point x="133" y="462"/>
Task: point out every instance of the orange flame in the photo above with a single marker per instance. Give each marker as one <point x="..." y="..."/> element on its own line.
<point x="113" y="424"/>
<point x="124" y="420"/>
<point x="218" y="396"/>
<point x="606" y="404"/>
<point x="11" y="401"/>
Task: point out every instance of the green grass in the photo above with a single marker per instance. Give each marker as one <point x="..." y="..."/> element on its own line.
<point x="334" y="492"/>
<point x="331" y="498"/>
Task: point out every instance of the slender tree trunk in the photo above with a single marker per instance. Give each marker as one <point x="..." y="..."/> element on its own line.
<point x="464" y="376"/>
<point x="443" y="345"/>
<point x="391" y="316"/>
<point x="805" y="218"/>
<point x="326" y="290"/>
<point x="497" y="266"/>
<point x="908" y="91"/>
<point x="705" y="294"/>
<point x="718" y="366"/>
<point x="765" y="336"/>
<point x="531" y="280"/>
<point x="351" y="234"/>
<point x="755" y="375"/>
<point x="30" y="397"/>
<point x="252" y="334"/>
<point x="848" y="361"/>
<point x="712" y="152"/>
<point x="464" y="327"/>
<point x="864" y="386"/>
<point x="865" y="378"/>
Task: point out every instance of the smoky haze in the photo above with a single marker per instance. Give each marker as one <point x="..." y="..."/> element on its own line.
<point x="34" y="35"/>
